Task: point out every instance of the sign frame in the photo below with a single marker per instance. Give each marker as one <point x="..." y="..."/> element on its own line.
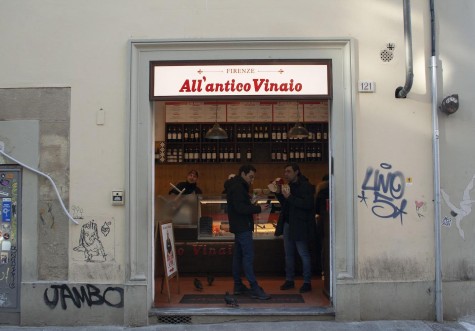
<point x="242" y="64"/>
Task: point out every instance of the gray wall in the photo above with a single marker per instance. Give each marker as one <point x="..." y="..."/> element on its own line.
<point x="34" y="125"/>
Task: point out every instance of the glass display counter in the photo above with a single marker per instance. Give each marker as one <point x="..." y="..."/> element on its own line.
<point x="202" y="239"/>
<point x="213" y="223"/>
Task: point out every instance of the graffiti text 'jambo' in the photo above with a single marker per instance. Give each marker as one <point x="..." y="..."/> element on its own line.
<point x="88" y="294"/>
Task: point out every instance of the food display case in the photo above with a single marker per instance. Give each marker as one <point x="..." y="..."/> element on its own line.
<point x="182" y="211"/>
<point x="203" y="242"/>
<point x="213" y="223"/>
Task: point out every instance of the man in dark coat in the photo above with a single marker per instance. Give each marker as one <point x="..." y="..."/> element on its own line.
<point x="189" y="186"/>
<point x="297" y="223"/>
<point x="241" y="223"/>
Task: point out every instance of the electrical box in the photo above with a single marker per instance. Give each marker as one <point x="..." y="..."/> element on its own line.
<point x="10" y="238"/>
<point x="118" y="198"/>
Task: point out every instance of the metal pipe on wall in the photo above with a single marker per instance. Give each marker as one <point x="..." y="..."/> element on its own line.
<point x="401" y="92"/>
<point x="436" y="176"/>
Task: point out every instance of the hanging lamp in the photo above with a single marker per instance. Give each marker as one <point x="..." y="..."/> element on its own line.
<point x="216" y="132"/>
<point x="298" y="130"/>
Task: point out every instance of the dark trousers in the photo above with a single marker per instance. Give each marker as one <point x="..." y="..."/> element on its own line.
<point x="243" y="258"/>
<point x="291" y="248"/>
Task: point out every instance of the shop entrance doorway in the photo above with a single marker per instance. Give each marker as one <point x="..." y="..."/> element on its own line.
<point x="203" y="244"/>
<point x="140" y="168"/>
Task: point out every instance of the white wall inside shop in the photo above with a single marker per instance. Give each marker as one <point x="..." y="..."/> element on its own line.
<point x="85" y="46"/>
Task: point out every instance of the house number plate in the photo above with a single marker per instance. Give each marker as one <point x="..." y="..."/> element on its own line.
<point x="366" y="86"/>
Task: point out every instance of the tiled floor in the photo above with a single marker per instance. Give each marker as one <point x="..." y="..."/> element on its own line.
<point x="271" y="285"/>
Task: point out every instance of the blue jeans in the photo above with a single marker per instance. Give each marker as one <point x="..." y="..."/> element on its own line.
<point x="243" y="258"/>
<point x="290" y="246"/>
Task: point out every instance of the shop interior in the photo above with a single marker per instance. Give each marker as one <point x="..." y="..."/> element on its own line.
<point x="257" y="133"/>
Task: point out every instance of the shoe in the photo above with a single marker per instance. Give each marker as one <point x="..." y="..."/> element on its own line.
<point x="241" y="289"/>
<point x="306" y="287"/>
<point x="258" y="293"/>
<point x="287" y="285"/>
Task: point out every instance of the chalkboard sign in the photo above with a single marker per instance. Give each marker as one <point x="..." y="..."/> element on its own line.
<point x="10" y="203"/>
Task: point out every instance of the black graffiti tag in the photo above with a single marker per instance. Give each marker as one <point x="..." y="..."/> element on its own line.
<point x="88" y="294"/>
<point x="13" y="255"/>
<point x="387" y="190"/>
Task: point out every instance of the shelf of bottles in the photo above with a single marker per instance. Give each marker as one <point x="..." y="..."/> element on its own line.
<point x="256" y="142"/>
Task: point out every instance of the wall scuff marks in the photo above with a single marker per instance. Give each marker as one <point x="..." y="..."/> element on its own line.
<point x="393" y="268"/>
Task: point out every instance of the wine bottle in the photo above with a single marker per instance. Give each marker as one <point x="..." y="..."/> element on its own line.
<point x="284" y="154"/>
<point x="186" y="134"/>
<point x="169" y="134"/>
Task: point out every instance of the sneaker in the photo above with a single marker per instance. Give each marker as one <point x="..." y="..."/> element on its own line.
<point x="258" y="293"/>
<point x="241" y="289"/>
<point x="287" y="285"/>
<point x="306" y="287"/>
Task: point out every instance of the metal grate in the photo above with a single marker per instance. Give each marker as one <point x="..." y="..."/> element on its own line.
<point x="386" y="56"/>
<point x="174" y="319"/>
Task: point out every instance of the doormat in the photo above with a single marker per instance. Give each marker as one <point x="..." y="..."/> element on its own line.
<point x="206" y="299"/>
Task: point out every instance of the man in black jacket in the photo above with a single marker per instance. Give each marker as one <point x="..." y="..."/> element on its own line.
<point x="241" y="223"/>
<point x="297" y="220"/>
<point x="189" y="186"/>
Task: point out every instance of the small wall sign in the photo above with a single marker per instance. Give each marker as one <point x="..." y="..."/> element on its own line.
<point x="366" y="86"/>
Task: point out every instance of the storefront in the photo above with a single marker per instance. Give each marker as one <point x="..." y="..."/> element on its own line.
<point x="81" y="109"/>
<point x="322" y="106"/>
<point x="256" y="104"/>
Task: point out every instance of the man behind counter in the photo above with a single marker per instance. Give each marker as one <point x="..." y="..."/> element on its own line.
<point x="189" y="185"/>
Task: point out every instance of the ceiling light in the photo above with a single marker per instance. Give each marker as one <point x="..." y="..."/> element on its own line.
<point x="298" y="130"/>
<point x="216" y="132"/>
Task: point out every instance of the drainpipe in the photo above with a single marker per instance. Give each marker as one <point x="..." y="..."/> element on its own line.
<point x="436" y="162"/>
<point x="401" y="92"/>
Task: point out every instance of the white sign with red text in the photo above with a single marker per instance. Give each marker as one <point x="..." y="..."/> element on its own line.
<point x="240" y="80"/>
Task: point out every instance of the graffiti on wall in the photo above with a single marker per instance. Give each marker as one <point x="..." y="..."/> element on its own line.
<point x="447" y="221"/>
<point x="421" y="208"/>
<point x="77" y="212"/>
<point x="387" y="190"/>
<point x="89" y="295"/>
<point x="90" y="243"/>
<point x="47" y="216"/>
<point x="95" y="237"/>
<point x="4" y="300"/>
<point x="464" y="206"/>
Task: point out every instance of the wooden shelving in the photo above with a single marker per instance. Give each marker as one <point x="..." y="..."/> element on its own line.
<point x="249" y="142"/>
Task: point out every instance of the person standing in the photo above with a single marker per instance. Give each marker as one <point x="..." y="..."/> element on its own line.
<point x="297" y="224"/>
<point x="241" y="223"/>
<point x="189" y="186"/>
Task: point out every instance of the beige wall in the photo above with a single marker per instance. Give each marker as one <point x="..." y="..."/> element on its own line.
<point x="84" y="46"/>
